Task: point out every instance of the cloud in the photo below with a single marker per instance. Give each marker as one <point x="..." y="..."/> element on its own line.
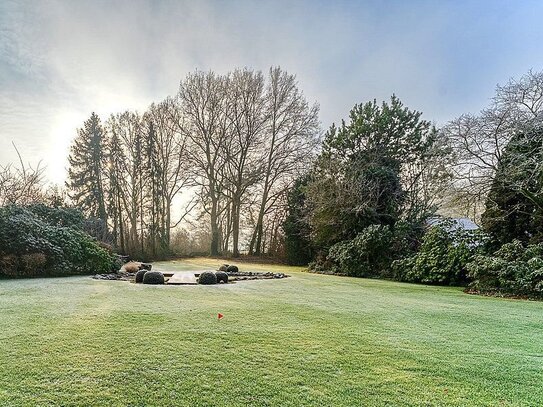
<point x="60" y="60"/>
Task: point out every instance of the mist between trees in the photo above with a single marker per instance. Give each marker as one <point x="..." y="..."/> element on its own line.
<point x="234" y="143"/>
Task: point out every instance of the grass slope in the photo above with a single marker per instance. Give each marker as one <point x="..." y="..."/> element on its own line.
<point x="303" y="341"/>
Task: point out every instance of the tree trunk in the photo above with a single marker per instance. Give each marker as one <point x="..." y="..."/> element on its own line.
<point x="214" y="250"/>
<point x="235" y="226"/>
<point x="259" y="229"/>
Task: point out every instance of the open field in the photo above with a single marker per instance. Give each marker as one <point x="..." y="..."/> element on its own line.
<point x="302" y="341"/>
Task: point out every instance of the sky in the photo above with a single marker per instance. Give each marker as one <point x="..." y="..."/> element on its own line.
<point x="62" y="60"/>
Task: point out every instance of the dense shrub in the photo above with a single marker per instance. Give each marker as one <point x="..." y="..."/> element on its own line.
<point x="232" y="269"/>
<point x="33" y="262"/>
<point x="8" y="265"/>
<point x="371" y="252"/>
<point x="37" y="241"/>
<point x="364" y="256"/>
<point x="224" y="267"/>
<point x="139" y="275"/>
<point x="207" y="277"/>
<point x="58" y="216"/>
<point x="222" y="277"/>
<point x="514" y="269"/>
<point x="153" y="277"/>
<point x="117" y="262"/>
<point x="441" y="259"/>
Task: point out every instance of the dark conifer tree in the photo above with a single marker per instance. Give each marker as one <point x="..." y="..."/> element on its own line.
<point x="514" y="207"/>
<point x="86" y="174"/>
<point x="116" y="190"/>
<point x="298" y="248"/>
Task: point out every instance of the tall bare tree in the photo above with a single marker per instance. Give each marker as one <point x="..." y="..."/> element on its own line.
<point x="168" y="168"/>
<point x="478" y="141"/>
<point x="243" y="167"/>
<point x="291" y="138"/>
<point x="127" y="127"/>
<point x="203" y="112"/>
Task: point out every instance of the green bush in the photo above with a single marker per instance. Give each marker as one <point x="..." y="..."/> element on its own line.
<point x="153" y="277"/>
<point x="140" y="274"/>
<point x="224" y="267"/>
<point x="232" y="269"/>
<point x="44" y="244"/>
<point x="222" y="277"/>
<point x="514" y="269"/>
<point x="367" y="255"/>
<point x="58" y="216"/>
<point x="441" y="259"/>
<point x="207" y="278"/>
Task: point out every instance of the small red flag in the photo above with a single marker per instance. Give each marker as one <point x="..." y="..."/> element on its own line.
<point x="220" y="316"/>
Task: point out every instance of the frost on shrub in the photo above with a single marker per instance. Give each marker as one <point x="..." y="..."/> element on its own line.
<point x="47" y="241"/>
<point x="232" y="269"/>
<point x="364" y="256"/>
<point x="139" y="275"/>
<point x="153" y="277"/>
<point x="222" y="277"/>
<point x="207" y="278"/>
<point x="441" y="259"/>
<point x="514" y="269"/>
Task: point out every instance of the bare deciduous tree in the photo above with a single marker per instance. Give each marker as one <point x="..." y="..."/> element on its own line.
<point x="248" y="118"/>
<point x="289" y="144"/>
<point x="21" y="185"/>
<point x="478" y="141"/>
<point x="203" y="110"/>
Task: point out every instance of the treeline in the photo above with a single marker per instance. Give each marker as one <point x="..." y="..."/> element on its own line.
<point x="368" y="205"/>
<point x="230" y="145"/>
<point x="239" y="159"/>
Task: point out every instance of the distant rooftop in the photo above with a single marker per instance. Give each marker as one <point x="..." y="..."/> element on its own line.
<point x="460" y="223"/>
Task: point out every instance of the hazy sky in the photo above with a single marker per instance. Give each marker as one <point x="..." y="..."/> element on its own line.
<point x="61" y="60"/>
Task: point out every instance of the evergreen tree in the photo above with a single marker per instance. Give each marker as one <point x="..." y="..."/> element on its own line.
<point x="116" y="194"/>
<point x="296" y="227"/>
<point x="514" y="207"/>
<point x="367" y="169"/>
<point x="88" y="161"/>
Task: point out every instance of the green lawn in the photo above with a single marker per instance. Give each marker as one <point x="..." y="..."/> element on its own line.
<point x="309" y="340"/>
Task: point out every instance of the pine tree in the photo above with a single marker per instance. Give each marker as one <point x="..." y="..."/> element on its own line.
<point x="87" y="167"/>
<point x="116" y="189"/>
<point x="366" y="170"/>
